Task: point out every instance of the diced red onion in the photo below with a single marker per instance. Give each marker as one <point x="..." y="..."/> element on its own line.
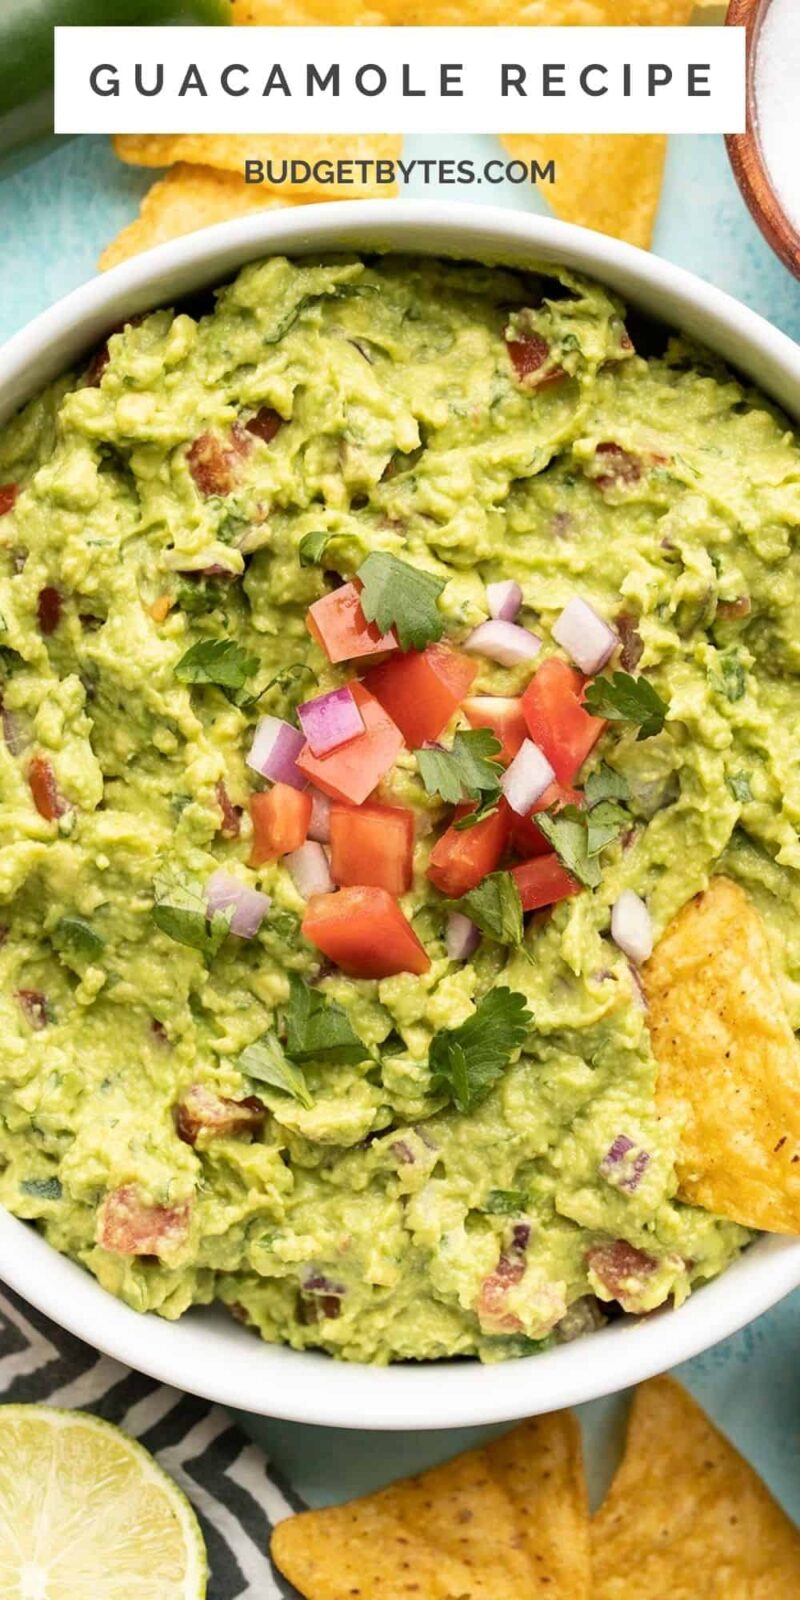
<point x="330" y="720"/>
<point x="504" y="642"/>
<point x="249" y="906"/>
<point x="274" y="752"/>
<point x="526" y="779"/>
<point x="462" y="937"/>
<point x="504" y="600"/>
<point x="624" y="1164"/>
<point x="319" y="828"/>
<point x="309" y="869"/>
<point x="585" y="636"/>
<point x="631" y="926"/>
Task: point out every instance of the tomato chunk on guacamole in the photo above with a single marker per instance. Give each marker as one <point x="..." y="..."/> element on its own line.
<point x="393" y="1097"/>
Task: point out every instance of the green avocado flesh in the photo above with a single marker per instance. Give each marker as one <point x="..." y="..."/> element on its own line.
<point x="361" y="1212"/>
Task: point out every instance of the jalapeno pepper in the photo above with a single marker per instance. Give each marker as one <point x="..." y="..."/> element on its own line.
<point x="26" y="51"/>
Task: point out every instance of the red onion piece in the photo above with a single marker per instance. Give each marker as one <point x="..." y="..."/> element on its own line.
<point x="309" y="869"/>
<point x="527" y="778"/>
<point x="319" y="828"/>
<point x="624" y="1164"/>
<point x="330" y="720"/>
<point x="504" y="642"/>
<point x="585" y="636"/>
<point x="274" y="752"/>
<point x="631" y="926"/>
<point x="462" y="937"/>
<point x="249" y="906"/>
<point x="504" y="600"/>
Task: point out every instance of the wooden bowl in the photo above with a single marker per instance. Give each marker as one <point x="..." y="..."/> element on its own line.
<point x="745" y="151"/>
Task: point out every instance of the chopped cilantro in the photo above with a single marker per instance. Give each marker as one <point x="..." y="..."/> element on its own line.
<point x="567" y="831"/>
<point x="466" y="772"/>
<point x="181" y="912"/>
<point x="313" y="545"/>
<point x="318" y="1029"/>
<point x="293" y="682"/>
<point x="739" y="785"/>
<point x="623" y="698"/>
<point x="266" y="1062"/>
<point x="604" y="823"/>
<point x="396" y="595"/>
<point x="495" y="907"/>
<point x="466" y="1061"/>
<point x="42" y="1188"/>
<point x="80" y="938"/>
<point x="218" y="661"/>
<point x="605" y="784"/>
<point x="733" y="682"/>
<point x="504" y="1202"/>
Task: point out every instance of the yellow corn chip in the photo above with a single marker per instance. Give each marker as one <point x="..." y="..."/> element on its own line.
<point x="686" y="1516"/>
<point x="186" y="199"/>
<point x="506" y="1522"/>
<point x="609" y="181"/>
<point x="730" y="1064"/>
<point x="229" y="151"/>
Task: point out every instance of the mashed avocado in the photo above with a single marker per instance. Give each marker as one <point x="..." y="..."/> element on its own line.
<point x="184" y="1110"/>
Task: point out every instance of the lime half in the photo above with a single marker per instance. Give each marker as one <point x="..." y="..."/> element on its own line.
<point x="86" y="1514"/>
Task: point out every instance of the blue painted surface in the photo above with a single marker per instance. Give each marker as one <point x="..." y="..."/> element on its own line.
<point x="56" y="217"/>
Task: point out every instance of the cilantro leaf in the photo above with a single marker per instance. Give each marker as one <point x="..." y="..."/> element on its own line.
<point x="739" y="785"/>
<point x="505" y="1202"/>
<point x="266" y="1062"/>
<point x="181" y="912"/>
<point x="219" y="661"/>
<point x="396" y="595"/>
<point x="42" y="1188"/>
<point x="495" y="907"/>
<point x="623" y="698"/>
<point x="604" y="823"/>
<point x="313" y="545"/>
<point x="78" y="937"/>
<point x="605" y="784"/>
<point x="467" y="771"/>
<point x="466" y="1061"/>
<point x="733" y="682"/>
<point x="567" y="832"/>
<point x="318" y="1029"/>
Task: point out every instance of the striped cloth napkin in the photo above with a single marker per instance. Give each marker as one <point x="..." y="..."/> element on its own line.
<point x="237" y="1493"/>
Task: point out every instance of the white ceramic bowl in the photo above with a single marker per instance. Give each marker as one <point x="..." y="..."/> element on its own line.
<point x="207" y="1352"/>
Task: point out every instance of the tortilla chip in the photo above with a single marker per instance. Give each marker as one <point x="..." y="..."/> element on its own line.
<point x="729" y="1061"/>
<point x="445" y="13"/>
<point x="609" y="181"/>
<point x="229" y="151"/>
<point x="686" y="1516"/>
<point x="506" y="1522"/>
<point x="187" y="199"/>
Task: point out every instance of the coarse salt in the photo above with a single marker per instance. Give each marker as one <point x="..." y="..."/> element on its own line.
<point x="777" y="82"/>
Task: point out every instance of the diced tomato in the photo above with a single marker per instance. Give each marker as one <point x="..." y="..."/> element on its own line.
<point x="557" y="720"/>
<point x="364" y="931"/>
<point x="231" y="824"/>
<point x="619" y="466"/>
<point x="543" y="882"/>
<point x="503" y="716"/>
<point x="265" y="424"/>
<point x="8" y="497"/>
<point x="528" y="840"/>
<point x="338" y="624"/>
<point x="621" y="1271"/>
<point x="49" y="607"/>
<point x="212" y="464"/>
<point x="528" y="356"/>
<point x="374" y="845"/>
<point x="280" y="822"/>
<point x="129" y="1226"/>
<point x="462" y="857"/>
<point x="422" y="689"/>
<point x="47" y="797"/>
<point x="493" y="1315"/>
<point x="33" y="1005"/>
<point x="356" y="768"/>
<point x="200" y="1111"/>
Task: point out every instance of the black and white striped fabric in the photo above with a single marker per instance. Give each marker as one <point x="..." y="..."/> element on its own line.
<point x="236" y="1492"/>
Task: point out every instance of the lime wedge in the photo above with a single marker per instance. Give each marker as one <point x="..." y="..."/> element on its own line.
<point x="86" y="1514"/>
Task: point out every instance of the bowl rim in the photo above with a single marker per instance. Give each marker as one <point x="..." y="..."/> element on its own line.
<point x="206" y="1352"/>
<point x="746" y="153"/>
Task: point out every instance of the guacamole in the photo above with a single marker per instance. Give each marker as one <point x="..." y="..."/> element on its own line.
<point x="253" y="1051"/>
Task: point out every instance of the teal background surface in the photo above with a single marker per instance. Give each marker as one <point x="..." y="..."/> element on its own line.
<point x="57" y="216"/>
